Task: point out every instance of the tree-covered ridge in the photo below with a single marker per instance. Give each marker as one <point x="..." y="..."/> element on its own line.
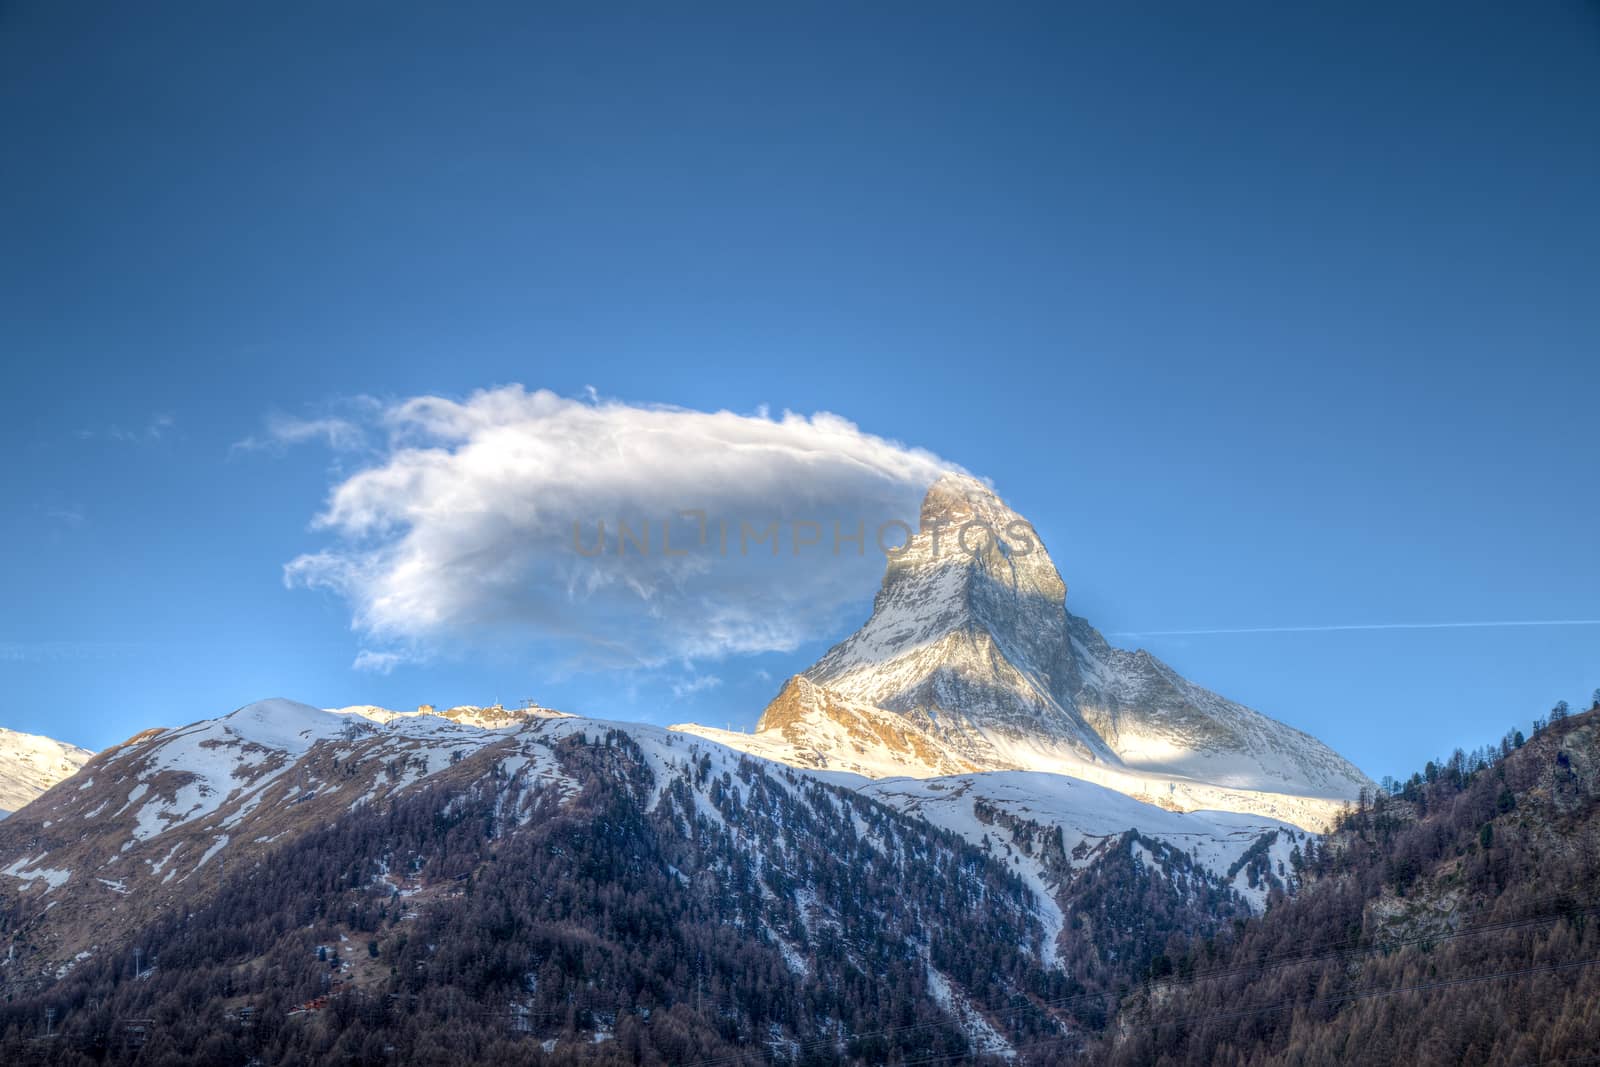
<point x="1450" y="919"/>
<point x="1125" y="903"/>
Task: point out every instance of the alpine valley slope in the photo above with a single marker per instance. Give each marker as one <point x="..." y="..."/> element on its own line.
<point x="30" y="764"/>
<point x="971" y="662"/>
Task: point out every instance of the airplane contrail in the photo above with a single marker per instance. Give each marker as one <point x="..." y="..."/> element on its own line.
<point x="1359" y="626"/>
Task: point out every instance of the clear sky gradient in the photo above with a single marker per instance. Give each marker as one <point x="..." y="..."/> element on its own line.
<point x="1267" y="318"/>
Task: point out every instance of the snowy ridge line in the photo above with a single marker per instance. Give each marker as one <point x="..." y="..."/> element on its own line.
<point x="277" y="744"/>
<point x="265" y="736"/>
<point x="294" y="753"/>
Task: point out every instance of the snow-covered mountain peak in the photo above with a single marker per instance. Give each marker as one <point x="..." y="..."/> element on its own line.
<point x="968" y="631"/>
<point x="955" y="498"/>
<point x="967" y="533"/>
<point x="970" y="643"/>
<point x="493" y="716"/>
<point x="30" y="764"/>
<point x="286" y="725"/>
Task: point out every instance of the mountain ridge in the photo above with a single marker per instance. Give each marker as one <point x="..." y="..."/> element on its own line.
<point x="168" y="822"/>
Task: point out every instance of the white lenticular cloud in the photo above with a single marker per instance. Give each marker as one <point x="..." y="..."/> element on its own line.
<point x="497" y="518"/>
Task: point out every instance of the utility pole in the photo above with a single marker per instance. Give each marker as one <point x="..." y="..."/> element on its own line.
<point x="49" y="1022"/>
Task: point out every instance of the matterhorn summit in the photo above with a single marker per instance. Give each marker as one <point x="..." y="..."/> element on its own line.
<point x="968" y="635"/>
<point x="970" y="659"/>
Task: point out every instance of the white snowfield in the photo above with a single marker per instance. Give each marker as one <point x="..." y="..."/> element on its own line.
<point x="970" y="661"/>
<point x="1090" y="817"/>
<point x="30" y="764"/>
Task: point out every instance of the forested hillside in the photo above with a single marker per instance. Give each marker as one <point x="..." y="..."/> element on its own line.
<point x="573" y="891"/>
<point x="1452" y="919"/>
<point x="744" y="917"/>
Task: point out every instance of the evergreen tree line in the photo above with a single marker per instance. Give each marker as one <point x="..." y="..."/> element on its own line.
<point x="1450" y="919"/>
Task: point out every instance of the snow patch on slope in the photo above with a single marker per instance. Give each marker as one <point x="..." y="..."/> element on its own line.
<point x="1089" y="816"/>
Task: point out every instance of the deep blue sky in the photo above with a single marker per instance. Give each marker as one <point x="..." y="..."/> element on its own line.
<point x="1265" y="317"/>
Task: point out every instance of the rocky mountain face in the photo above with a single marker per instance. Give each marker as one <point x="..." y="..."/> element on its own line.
<point x="30" y="764"/>
<point x="968" y="635"/>
<point x="810" y="726"/>
<point x="971" y="647"/>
